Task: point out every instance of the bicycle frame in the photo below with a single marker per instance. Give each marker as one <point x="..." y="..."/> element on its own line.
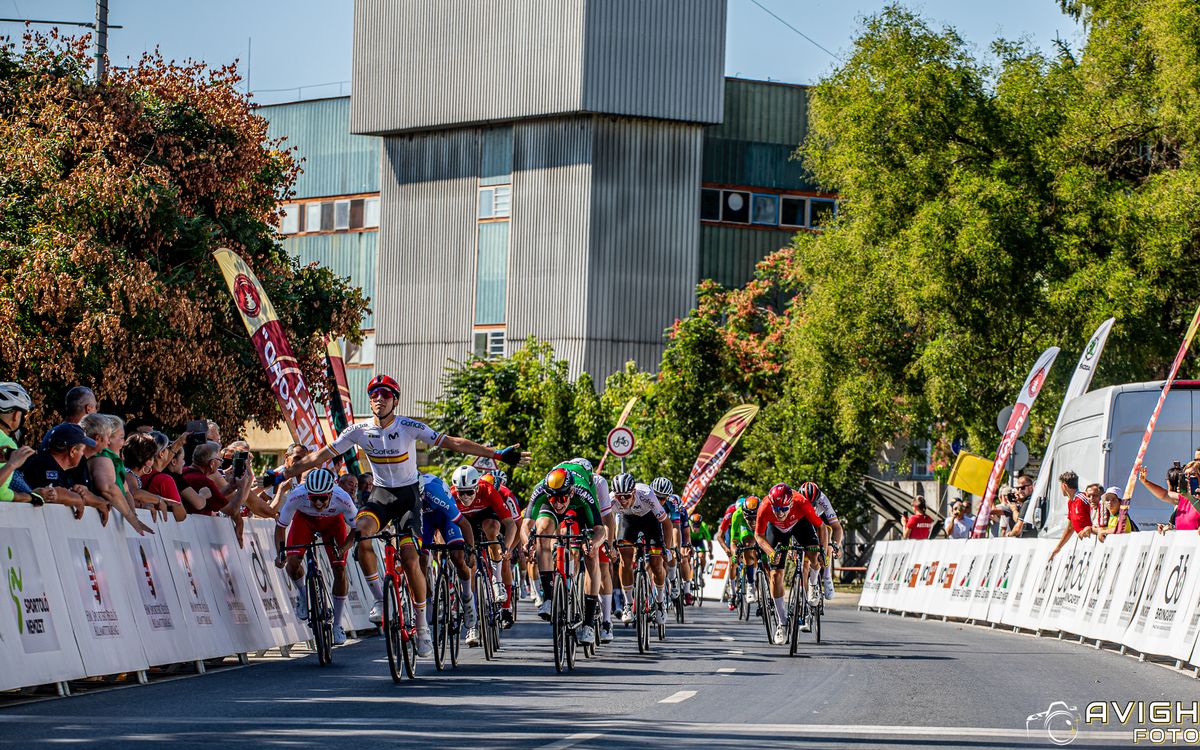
<point x="320" y="613"/>
<point x="399" y="626"/>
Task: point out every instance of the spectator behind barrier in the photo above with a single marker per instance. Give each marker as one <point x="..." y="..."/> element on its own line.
<point x="1024" y="491"/>
<point x="1112" y="512"/>
<point x="105" y="477"/>
<point x="959" y="524"/>
<point x="146" y="457"/>
<point x="349" y="483"/>
<point x="14" y="405"/>
<point x="206" y="459"/>
<point x="66" y="446"/>
<point x="919" y="525"/>
<point x="1079" y="510"/>
<point x="366" y="483"/>
<point x="79" y="402"/>
<point x="1178" y="492"/>
<point x="193" y="500"/>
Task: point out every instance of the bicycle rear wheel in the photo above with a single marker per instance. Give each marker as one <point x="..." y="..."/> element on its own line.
<point x="816" y="615"/>
<point x="589" y="647"/>
<point x="766" y="604"/>
<point x="454" y="625"/>
<point x="441" y="621"/>
<point x="316" y="620"/>
<point x="480" y="584"/>
<point x="408" y="634"/>
<point x="391" y="628"/>
<point x="571" y="608"/>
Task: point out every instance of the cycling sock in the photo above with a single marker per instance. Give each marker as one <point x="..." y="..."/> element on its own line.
<point x="779" y="607"/>
<point x="422" y="621"/>
<point x="687" y="587"/>
<point x="299" y="582"/>
<point x="589" y="609"/>
<point x="829" y="576"/>
<point x="751" y="572"/>
<point x="628" y="597"/>
<point x="339" y="603"/>
<point x="547" y="585"/>
<point x="464" y="586"/>
<point x="812" y="578"/>
<point x="660" y="592"/>
<point x="606" y="607"/>
<point x="375" y="586"/>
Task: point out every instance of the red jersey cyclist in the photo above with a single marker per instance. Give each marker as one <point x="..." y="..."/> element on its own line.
<point x="318" y="506"/>
<point x="786" y="516"/>
<point x="486" y="508"/>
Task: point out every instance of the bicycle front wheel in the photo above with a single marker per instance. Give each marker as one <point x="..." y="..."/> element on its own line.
<point x="558" y="623"/>
<point x="482" y="587"/>
<point x="640" y="607"/>
<point x="743" y="605"/>
<point x="408" y="640"/>
<point x="766" y="605"/>
<point x="441" y="621"/>
<point x="800" y="611"/>
<point x="454" y="626"/>
<point x="392" y="628"/>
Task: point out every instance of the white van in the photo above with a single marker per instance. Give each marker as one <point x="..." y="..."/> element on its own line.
<point x="1099" y="440"/>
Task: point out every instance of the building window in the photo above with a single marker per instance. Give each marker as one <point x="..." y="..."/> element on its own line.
<point x="821" y="212"/>
<point x="488" y="343"/>
<point x="792" y="210"/>
<point x="341" y="215"/>
<point x="495" y="202"/>
<point x="735" y="206"/>
<point x="289" y="218"/>
<point x="371" y="213"/>
<point x="710" y="205"/>
<point x="312" y="217"/>
<point x="360" y="354"/>
<point x="765" y="209"/>
<point x="496" y="156"/>
<point x="491" y="273"/>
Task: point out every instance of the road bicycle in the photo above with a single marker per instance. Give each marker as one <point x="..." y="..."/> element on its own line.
<point x="809" y="608"/>
<point x="447" y="607"/>
<point x="643" y="599"/>
<point x="399" y="624"/>
<point x="766" y="602"/>
<point x="741" y="585"/>
<point x="487" y="606"/>
<point x="677" y="593"/>
<point x="565" y="612"/>
<point x="320" y="608"/>
<point x="700" y="555"/>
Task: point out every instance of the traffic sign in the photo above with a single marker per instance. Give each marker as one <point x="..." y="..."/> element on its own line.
<point x="620" y="441"/>
<point x="1002" y="422"/>
<point x="1019" y="457"/>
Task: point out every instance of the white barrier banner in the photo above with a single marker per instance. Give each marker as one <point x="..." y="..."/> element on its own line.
<point x="874" y="575"/>
<point x="161" y="623"/>
<point x="1121" y="601"/>
<point x="1014" y="558"/>
<point x="92" y="571"/>
<point x="981" y="593"/>
<point x="1028" y="599"/>
<point x="231" y="590"/>
<point x="912" y="586"/>
<point x="1070" y="588"/>
<point x="894" y="575"/>
<point x="209" y="636"/>
<point x="938" y="600"/>
<point x="1106" y="562"/>
<point x="968" y="572"/>
<point x="1161" y="618"/>
<point x="718" y="570"/>
<point x="271" y="586"/>
<point x="36" y="642"/>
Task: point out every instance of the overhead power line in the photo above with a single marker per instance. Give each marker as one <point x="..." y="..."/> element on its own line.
<point x="808" y="38"/>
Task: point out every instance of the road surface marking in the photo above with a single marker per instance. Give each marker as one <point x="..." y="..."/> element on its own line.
<point x="726" y="670"/>
<point x="735" y="652"/>
<point x="571" y="740"/>
<point x="679" y="697"/>
<point x="727" y="638"/>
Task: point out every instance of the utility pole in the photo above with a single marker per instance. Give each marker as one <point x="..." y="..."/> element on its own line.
<point x="101" y="38"/>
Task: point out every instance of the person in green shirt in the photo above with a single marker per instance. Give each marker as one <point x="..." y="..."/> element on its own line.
<point x="741" y="532"/>
<point x="106" y="471"/>
<point x="14" y="405"/>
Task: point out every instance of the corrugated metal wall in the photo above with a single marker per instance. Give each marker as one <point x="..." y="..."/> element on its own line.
<point x="644" y="235"/>
<point x="728" y="254"/>
<point x="335" y="162"/>
<point x="422" y="63"/>
<point x="655" y="58"/>
<point x="351" y="254"/>
<point x="426" y="258"/>
<point x="763" y="125"/>
<point x="548" y="242"/>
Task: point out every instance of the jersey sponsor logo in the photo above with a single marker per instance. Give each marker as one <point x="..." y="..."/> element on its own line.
<point x="393" y="435"/>
<point x="380" y="458"/>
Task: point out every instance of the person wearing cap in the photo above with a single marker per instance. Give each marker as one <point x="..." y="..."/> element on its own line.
<point x="56" y="467"/>
<point x="1111" y="511"/>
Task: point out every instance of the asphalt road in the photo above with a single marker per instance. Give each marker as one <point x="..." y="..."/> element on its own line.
<point x="875" y="681"/>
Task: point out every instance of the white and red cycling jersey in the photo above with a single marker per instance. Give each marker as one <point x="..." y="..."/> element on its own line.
<point x="486" y="502"/>
<point x="824" y="508"/>
<point x="801" y="510"/>
<point x="644" y="502"/>
<point x="303" y="521"/>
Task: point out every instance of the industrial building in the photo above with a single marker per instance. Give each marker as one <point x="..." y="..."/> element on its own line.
<point x="574" y="183"/>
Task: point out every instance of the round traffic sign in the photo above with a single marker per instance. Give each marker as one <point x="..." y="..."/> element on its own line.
<point x="1019" y="458"/>
<point x="620" y="441"/>
<point x="1002" y="422"/>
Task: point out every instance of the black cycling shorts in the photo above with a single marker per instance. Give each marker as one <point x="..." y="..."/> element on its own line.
<point x="399" y="506"/>
<point x="647" y="525"/>
<point x="803" y="534"/>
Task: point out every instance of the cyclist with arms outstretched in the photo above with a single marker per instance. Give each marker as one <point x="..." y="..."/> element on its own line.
<point x="390" y="444"/>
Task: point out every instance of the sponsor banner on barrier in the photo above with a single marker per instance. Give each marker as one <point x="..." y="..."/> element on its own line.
<point x="36" y="642"/>
<point x="910" y="598"/>
<point x="981" y="594"/>
<point x="1070" y="588"/>
<point x="1014" y="557"/>
<point x="718" y="568"/>
<point x="218" y="548"/>
<point x="91" y="569"/>
<point x="210" y="638"/>
<point x="1120" y="602"/>
<point x="270" y="585"/>
<point x="937" y="600"/>
<point x="894" y="576"/>
<point x="1105" y="563"/>
<point x="1161" y="621"/>
<point x="1028" y="601"/>
<point x="871" y="582"/>
<point x="927" y="576"/>
<point x="967" y="574"/>
<point x="158" y="613"/>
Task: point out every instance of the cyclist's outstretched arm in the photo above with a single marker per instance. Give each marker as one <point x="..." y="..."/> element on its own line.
<point x="311" y="461"/>
<point x="510" y="455"/>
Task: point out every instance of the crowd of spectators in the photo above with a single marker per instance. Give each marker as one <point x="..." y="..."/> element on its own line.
<point x="96" y="461"/>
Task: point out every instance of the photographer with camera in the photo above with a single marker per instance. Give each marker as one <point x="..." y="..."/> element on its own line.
<point x="1181" y="489"/>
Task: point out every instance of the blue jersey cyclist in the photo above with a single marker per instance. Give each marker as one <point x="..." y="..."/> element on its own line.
<point x="440" y="517"/>
<point x="390" y="442"/>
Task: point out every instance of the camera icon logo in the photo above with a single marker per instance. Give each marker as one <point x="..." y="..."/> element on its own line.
<point x="1059" y="721"/>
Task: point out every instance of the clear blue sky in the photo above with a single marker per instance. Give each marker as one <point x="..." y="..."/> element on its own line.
<point x="303" y="43"/>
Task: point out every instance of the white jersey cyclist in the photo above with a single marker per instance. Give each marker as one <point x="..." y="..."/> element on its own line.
<point x="824" y="508"/>
<point x="603" y="498"/>
<point x="341" y="504"/>
<point x="644" y="502"/>
<point x="390" y="447"/>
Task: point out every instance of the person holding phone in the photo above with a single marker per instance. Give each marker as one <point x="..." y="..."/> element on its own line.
<point x="1179" y="492"/>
